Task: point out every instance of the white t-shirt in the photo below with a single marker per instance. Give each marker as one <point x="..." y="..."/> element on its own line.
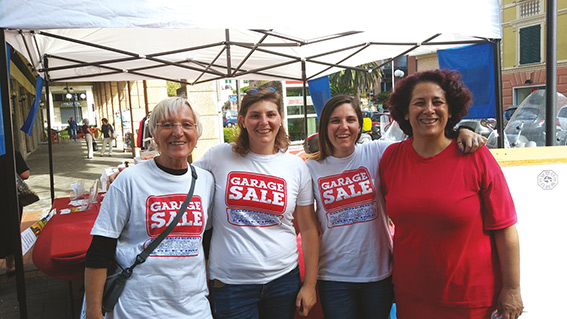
<point x="253" y="240"/>
<point x="356" y="243"/>
<point x="138" y="207"/>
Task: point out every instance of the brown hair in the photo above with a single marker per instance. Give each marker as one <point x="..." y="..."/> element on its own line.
<point x="325" y="145"/>
<point x="242" y="143"/>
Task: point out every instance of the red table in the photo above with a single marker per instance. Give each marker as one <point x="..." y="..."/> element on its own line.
<point x="62" y="245"/>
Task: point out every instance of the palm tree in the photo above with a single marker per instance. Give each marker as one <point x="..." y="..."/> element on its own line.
<point x="359" y="81"/>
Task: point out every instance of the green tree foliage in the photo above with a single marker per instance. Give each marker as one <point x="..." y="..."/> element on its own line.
<point x="337" y="88"/>
<point x="361" y="82"/>
<point x="230" y="133"/>
<point x="172" y="88"/>
<point x="382" y="97"/>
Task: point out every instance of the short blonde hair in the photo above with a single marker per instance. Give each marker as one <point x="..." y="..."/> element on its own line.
<point x="171" y="106"/>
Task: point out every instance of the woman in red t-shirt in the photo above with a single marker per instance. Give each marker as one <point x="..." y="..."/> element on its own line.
<point x="456" y="251"/>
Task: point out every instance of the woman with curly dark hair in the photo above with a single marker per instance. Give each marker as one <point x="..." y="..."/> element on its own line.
<point x="456" y="250"/>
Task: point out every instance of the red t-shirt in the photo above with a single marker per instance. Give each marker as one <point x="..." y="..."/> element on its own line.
<point x="444" y="208"/>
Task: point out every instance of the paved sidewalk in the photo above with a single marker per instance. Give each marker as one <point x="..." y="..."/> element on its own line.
<point x="49" y="298"/>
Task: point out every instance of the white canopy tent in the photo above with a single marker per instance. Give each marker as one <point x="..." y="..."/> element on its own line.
<point x="109" y="40"/>
<point x="131" y="40"/>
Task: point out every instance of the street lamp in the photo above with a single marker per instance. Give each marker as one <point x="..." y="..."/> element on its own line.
<point x="73" y="97"/>
<point x="397" y="74"/>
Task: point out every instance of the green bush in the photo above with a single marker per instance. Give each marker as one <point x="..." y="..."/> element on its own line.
<point x="230" y="133"/>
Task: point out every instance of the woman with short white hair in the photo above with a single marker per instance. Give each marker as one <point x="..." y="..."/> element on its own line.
<point x="138" y="206"/>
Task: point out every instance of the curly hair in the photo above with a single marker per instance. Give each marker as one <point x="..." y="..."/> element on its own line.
<point x="457" y="95"/>
<point x="242" y="143"/>
<point x="325" y="145"/>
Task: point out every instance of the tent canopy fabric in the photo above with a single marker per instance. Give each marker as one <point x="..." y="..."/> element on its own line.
<point x="111" y="40"/>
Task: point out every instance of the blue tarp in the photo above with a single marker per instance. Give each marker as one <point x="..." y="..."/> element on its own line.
<point x="28" y="125"/>
<point x="2" y="135"/>
<point x="476" y="64"/>
<point x="320" y="92"/>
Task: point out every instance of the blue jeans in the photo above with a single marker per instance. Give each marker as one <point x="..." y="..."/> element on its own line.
<point x="356" y="300"/>
<point x="273" y="300"/>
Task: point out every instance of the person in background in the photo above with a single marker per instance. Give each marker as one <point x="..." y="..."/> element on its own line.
<point x="456" y="247"/>
<point x="253" y="264"/>
<point x="6" y="243"/>
<point x="138" y="206"/>
<point x="72" y="128"/>
<point x="355" y="259"/>
<point x="107" y="132"/>
<point x="89" y="138"/>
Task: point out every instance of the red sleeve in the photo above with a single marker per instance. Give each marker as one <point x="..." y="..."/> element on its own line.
<point x="498" y="207"/>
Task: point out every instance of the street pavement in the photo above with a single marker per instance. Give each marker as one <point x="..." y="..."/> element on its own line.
<point x="49" y="298"/>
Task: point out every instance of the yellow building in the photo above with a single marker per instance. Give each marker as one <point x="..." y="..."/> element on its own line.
<point x="524" y="48"/>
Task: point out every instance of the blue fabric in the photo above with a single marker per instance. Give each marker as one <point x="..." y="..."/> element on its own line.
<point x="320" y="92"/>
<point x="274" y="300"/>
<point x="353" y="300"/>
<point x="28" y="125"/>
<point x="2" y="135"/>
<point x="476" y="64"/>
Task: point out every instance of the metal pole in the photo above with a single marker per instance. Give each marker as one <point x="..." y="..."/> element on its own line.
<point x="392" y="75"/>
<point x="237" y="94"/>
<point x="304" y="80"/>
<point x="9" y="187"/>
<point x="498" y="91"/>
<point x="49" y="142"/>
<point x="551" y="73"/>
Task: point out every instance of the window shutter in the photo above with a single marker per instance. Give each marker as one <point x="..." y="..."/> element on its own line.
<point x="530" y="44"/>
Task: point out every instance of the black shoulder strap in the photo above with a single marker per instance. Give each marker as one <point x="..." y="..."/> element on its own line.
<point x="146" y="252"/>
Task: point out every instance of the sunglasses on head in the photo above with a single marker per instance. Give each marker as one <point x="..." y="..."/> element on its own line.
<point x="254" y="91"/>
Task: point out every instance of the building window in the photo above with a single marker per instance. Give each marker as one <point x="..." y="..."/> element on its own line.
<point x="530" y="44"/>
<point x="529" y="8"/>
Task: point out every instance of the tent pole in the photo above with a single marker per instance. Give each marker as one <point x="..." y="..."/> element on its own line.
<point x="146" y="97"/>
<point x="551" y="73"/>
<point x="49" y="141"/>
<point x="304" y="80"/>
<point x="9" y="187"/>
<point x="134" y="139"/>
<point x="119" y="111"/>
<point x="498" y="91"/>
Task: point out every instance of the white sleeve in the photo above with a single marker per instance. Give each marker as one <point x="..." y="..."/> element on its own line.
<point x="114" y="211"/>
<point x="305" y="196"/>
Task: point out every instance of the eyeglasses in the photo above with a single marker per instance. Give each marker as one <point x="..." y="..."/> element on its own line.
<point x="186" y="126"/>
<point x="254" y="91"/>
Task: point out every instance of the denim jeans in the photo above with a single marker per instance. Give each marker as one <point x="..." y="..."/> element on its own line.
<point x="273" y="300"/>
<point x="356" y="300"/>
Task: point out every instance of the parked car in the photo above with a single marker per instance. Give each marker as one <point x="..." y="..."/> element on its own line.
<point x="380" y="122"/>
<point x="562" y="117"/>
<point x="230" y="117"/>
<point x="368" y="114"/>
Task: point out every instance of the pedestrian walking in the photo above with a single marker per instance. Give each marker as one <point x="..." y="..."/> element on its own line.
<point x="107" y="135"/>
<point x="72" y="128"/>
<point x="89" y="138"/>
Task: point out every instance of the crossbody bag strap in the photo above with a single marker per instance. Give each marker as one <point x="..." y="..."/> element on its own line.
<point x="146" y="252"/>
